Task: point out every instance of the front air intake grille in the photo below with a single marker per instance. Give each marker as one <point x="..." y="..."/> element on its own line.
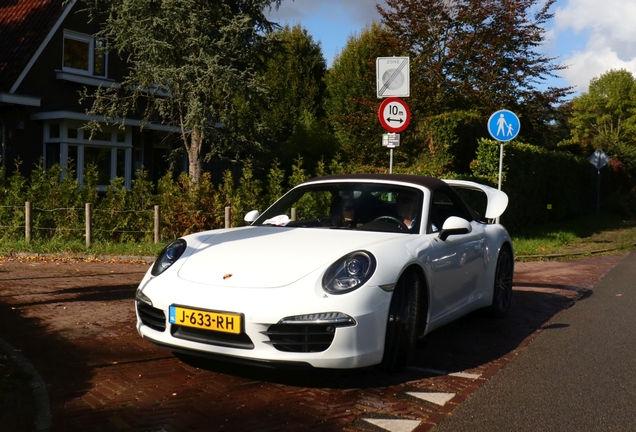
<point x="301" y="338"/>
<point x="241" y="341"/>
<point x="151" y="316"/>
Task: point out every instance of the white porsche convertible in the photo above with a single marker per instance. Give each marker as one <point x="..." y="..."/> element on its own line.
<point x="343" y="271"/>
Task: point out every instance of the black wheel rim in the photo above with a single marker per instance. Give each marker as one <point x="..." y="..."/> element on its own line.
<point x="394" y="329"/>
<point x="503" y="281"/>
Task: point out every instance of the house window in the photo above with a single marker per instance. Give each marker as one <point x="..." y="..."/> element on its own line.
<point x="84" y="54"/>
<point x="121" y="163"/>
<point x="52" y="154"/>
<point x="101" y="158"/>
<point x="54" y="130"/>
<point x="110" y="151"/>
<point x="72" y="160"/>
<point x="99" y="135"/>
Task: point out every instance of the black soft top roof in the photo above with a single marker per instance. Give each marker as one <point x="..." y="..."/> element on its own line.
<point x="428" y="182"/>
<point x="431" y="183"/>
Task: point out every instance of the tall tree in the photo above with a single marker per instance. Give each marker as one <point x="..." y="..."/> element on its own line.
<point x="479" y="55"/>
<point x="292" y="112"/>
<point x="605" y="116"/>
<point x="352" y="104"/>
<point x="190" y="61"/>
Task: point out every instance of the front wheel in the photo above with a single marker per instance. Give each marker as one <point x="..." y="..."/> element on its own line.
<point x="402" y="324"/>
<point x="502" y="290"/>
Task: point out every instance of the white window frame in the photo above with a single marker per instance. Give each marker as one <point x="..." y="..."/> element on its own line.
<point x="82" y="141"/>
<point x="90" y="40"/>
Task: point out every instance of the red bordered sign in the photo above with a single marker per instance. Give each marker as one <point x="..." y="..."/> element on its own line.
<point x="394" y="114"/>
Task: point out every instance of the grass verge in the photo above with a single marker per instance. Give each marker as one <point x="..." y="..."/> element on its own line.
<point x="78" y="248"/>
<point x="584" y="235"/>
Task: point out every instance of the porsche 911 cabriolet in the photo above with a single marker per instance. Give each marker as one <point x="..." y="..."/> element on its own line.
<point x="343" y="271"/>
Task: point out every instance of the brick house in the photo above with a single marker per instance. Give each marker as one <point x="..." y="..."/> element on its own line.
<point x="47" y="55"/>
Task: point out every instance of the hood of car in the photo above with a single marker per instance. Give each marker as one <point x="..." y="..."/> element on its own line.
<point x="270" y="257"/>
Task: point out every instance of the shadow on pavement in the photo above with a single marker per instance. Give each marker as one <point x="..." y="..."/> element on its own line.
<point x="468" y="343"/>
<point x="102" y="376"/>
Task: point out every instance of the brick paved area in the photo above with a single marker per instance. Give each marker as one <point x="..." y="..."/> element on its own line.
<point x="74" y="321"/>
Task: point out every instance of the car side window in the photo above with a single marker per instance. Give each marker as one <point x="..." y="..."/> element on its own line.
<point x="442" y="207"/>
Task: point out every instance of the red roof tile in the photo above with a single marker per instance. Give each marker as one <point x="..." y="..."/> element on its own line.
<point x="24" y="25"/>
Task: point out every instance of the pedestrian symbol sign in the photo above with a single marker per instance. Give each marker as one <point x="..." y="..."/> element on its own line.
<point x="504" y="125"/>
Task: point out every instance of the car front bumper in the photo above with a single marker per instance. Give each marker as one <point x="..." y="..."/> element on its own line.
<point x="263" y="339"/>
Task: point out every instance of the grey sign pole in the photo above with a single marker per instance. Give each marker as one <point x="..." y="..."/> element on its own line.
<point x="391" y="141"/>
<point x="599" y="159"/>
<point x="503" y="126"/>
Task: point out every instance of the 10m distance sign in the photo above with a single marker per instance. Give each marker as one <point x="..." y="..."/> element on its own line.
<point x="394" y="114"/>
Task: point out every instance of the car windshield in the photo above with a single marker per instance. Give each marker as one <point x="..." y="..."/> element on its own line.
<point x="348" y="205"/>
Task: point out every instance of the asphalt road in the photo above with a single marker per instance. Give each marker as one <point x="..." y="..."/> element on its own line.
<point x="578" y="375"/>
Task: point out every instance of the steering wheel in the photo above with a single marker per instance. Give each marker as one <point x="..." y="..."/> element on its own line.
<point x="399" y="223"/>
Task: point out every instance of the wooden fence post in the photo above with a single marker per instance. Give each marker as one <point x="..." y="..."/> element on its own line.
<point x="228" y="219"/>
<point x="27" y="221"/>
<point x="88" y="208"/>
<point x="157" y="224"/>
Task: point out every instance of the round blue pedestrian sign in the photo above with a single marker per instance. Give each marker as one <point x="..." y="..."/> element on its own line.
<point x="504" y="125"/>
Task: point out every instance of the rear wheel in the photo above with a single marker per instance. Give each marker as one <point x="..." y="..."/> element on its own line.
<point x="502" y="291"/>
<point x="402" y="323"/>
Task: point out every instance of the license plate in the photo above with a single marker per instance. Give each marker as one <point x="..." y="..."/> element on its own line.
<point x="216" y="321"/>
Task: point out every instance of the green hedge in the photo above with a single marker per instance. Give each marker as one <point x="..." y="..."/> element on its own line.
<point x="533" y="178"/>
<point x="542" y="185"/>
<point x="127" y="215"/>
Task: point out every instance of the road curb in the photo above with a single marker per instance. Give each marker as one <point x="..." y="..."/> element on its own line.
<point x="134" y="258"/>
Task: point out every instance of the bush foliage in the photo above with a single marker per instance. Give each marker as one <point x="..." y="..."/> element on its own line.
<point x="542" y="185"/>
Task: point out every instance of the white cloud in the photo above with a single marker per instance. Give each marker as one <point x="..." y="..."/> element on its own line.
<point x="330" y="22"/>
<point x="590" y="36"/>
<point x="609" y="29"/>
<point x="590" y="64"/>
<point x="357" y="12"/>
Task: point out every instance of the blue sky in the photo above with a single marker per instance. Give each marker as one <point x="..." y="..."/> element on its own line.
<point x="590" y="36"/>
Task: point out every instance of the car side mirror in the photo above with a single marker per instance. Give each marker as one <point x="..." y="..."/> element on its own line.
<point x="453" y="226"/>
<point x="251" y="216"/>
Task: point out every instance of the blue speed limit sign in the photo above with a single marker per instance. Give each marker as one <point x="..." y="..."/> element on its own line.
<point x="504" y="125"/>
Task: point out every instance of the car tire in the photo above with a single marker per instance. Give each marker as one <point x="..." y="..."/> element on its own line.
<point x="502" y="290"/>
<point x="402" y="323"/>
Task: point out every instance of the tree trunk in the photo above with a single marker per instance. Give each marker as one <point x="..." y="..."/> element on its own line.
<point x="195" y="160"/>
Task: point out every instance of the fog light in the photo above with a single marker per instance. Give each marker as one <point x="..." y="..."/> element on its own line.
<point x="338" y="319"/>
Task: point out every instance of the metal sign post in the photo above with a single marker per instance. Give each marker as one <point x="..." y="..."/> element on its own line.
<point x="392" y="80"/>
<point x="503" y="126"/>
<point x="394" y="116"/>
<point x="391" y="141"/>
<point x="599" y="159"/>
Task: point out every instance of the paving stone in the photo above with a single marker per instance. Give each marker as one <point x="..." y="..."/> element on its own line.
<point x="74" y="321"/>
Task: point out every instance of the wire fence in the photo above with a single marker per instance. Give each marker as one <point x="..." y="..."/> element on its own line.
<point x="107" y="223"/>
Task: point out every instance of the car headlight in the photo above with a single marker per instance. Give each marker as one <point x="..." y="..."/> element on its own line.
<point x="168" y="256"/>
<point x="141" y="297"/>
<point x="349" y="273"/>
